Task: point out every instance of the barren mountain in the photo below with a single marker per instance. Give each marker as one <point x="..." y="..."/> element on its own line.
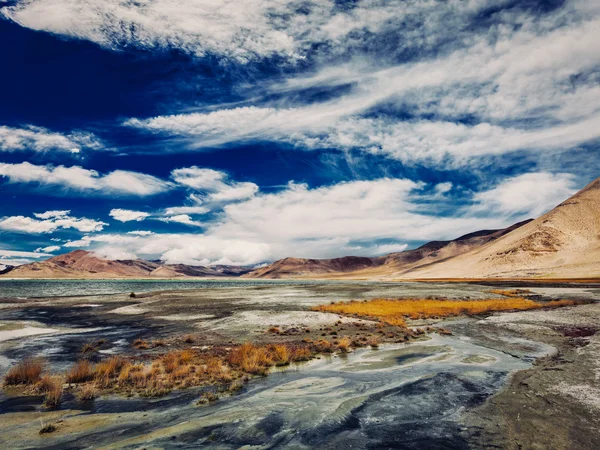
<point x="364" y="267"/>
<point x="563" y="243"/>
<point x="84" y="264"/>
<point x="297" y="267"/>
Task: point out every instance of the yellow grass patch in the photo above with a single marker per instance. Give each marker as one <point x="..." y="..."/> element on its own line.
<point x="393" y="312"/>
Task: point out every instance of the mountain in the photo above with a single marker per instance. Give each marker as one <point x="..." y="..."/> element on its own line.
<point x="297" y="267"/>
<point x="84" y="264"/>
<point x="563" y="243"/>
<point x="394" y="263"/>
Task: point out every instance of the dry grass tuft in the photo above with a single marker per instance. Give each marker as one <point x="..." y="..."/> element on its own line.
<point x="373" y="341"/>
<point x="344" y="345"/>
<point x="140" y="344"/>
<point x="87" y="392"/>
<point x="26" y="372"/>
<point x="48" y="428"/>
<point x="81" y="372"/>
<point x="189" y="339"/>
<point x="53" y="396"/>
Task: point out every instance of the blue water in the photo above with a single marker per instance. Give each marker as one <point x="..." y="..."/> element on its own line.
<point x="65" y="288"/>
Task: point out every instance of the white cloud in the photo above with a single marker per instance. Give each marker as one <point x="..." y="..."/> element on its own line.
<point x="28" y="225"/>
<point x="40" y="139"/>
<point x="77" y="179"/>
<point x="529" y="81"/>
<point x="49" y="249"/>
<point x="176" y="210"/>
<point x="530" y="194"/>
<point x="329" y="221"/>
<point x="214" y="183"/>
<point x="182" y="218"/>
<point x="141" y="232"/>
<point x="20" y="254"/>
<point x="127" y="215"/>
<point x="52" y="214"/>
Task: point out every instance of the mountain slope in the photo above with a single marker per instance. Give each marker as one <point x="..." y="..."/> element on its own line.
<point x="563" y="243"/>
<point x="394" y="263"/>
<point x="84" y="264"/>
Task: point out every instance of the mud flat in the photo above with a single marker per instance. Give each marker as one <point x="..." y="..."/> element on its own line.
<point x="555" y="403"/>
<point x="508" y="380"/>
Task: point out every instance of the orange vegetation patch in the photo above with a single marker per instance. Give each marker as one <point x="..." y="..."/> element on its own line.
<point x="393" y="312"/>
<point x="26" y="372"/>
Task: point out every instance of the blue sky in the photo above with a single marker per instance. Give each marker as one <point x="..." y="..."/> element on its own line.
<point x="205" y="132"/>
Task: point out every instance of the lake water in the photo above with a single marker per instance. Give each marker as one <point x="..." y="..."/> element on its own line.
<point x="65" y="288"/>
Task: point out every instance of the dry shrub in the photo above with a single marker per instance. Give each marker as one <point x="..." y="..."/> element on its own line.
<point x="189" y="339"/>
<point x="48" y="428"/>
<point x="281" y="354"/>
<point x="373" y="341"/>
<point x="323" y="346"/>
<point x="344" y="345"/>
<point x="90" y="347"/>
<point x="394" y="311"/>
<point x="81" y="372"/>
<point x="87" y="392"/>
<point x="140" y="344"/>
<point x="27" y="372"/>
<point x="301" y="354"/>
<point x="45" y="384"/>
<point x="251" y="359"/>
<point x="53" y="396"/>
<point x="274" y="330"/>
<point x="158" y="343"/>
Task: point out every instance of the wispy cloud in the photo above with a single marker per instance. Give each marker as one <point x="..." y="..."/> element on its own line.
<point x="41" y="139"/>
<point x="127" y="215"/>
<point x="76" y="179"/>
<point x="52" y="222"/>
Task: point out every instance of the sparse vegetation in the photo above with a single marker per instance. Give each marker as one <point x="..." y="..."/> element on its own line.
<point x="394" y="312"/>
<point x="26" y="372"/>
<point x="189" y="339"/>
<point x="48" y="428"/>
<point x="81" y="372"/>
<point x="53" y="396"/>
<point x="87" y="392"/>
<point x="511" y="293"/>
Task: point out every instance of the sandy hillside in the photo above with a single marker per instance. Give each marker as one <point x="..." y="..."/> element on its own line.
<point x="564" y="242"/>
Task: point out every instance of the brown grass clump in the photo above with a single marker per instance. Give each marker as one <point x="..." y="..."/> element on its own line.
<point x="87" y="392"/>
<point x="140" y="344"/>
<point x="48" y="428"/>
<point x="373" y="341"/>
<point x="108" y="369"/>
<point x="251" y="359"/>
<point x="394" y="311"/>
<point x="189" y="339"/>
<point x="81" y="372"/>
<point x="344" y="345"/>
<point x="26" y="372"/>
<point x="53" y="396"/>
<point x="274" y="330"/>
<point x="90" y="347"/>
<point x="282" y="354"/>
<point x="323" y="346"/>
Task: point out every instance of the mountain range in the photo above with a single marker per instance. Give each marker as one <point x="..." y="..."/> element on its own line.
<point x="563" y="243"/>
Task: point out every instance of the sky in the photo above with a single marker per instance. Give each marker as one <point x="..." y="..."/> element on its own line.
<point x="227" y="132"/>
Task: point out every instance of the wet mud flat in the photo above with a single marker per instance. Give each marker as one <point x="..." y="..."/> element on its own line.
<point x="441" y="392"/>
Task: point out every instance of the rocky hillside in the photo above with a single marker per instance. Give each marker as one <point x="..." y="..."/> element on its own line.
<point x="563" y="243"/>
<point x="393" y="263"/>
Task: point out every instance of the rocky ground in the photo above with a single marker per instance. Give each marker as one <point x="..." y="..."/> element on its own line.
<point x="442" y="393"/>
